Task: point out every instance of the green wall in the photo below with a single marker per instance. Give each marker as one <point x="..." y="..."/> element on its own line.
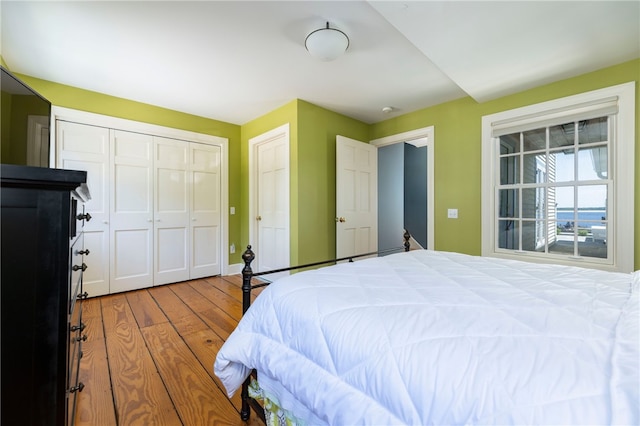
<point x="457" y="127"/>
<point x="313" y="129"/>
<point x="313" y="133"/>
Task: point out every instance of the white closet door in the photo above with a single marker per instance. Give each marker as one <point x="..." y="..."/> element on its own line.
<point x="205" y="210"/>
<point x="171" y="228"/>
<point x="131" y="211"/>
<point x="84" y="147"/>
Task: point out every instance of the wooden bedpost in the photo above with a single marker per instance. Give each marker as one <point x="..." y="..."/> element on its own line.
<point x="407" y="237"/>
<point x="247" y="274"/>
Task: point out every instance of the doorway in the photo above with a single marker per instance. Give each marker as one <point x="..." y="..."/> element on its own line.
<point x="406" y="187"/>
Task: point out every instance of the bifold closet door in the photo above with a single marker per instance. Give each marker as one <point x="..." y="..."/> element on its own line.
<point x="84" y="147"/>
<point x="131" y="211"/>
<point x="205" y="210"/>
<point x="172" y="199"/>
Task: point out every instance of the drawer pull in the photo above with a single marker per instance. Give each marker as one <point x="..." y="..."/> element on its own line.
<point x="80" y="327"/>
<point x="85" y="216"/>
<point x="85" y="252"/>
<point x="77" y="388"/>
<point x="77" y="267"/>
<point x="82" y="339"/>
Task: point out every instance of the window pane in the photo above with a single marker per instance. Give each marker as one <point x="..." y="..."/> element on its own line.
<point x="510" y="144"/>
<point x="509" y="170"/>
<point x="562" y="135"/>
<point x="593" y="197"/>
<point x="534" y="168"/>
<point x="592" y="163"/>
<point x="533" y="203"/>
<point x="561" y="166"/>
<point x="533" y="235"/>
<point x="565" y="207"/>
<point x="508" y="234"/>
<point x="534" y="140"/>
<point x="508" y="200"/>
<point x="593" y="244"/>
<point x="594" y="130"/>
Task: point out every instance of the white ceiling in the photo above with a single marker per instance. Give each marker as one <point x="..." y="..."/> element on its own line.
<point x="237" y="60"/>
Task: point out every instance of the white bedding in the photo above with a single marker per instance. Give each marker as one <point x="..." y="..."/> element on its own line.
<point x="429" y="337"/>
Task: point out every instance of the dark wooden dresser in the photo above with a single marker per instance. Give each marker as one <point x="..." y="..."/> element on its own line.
<point x="41" y="292"/>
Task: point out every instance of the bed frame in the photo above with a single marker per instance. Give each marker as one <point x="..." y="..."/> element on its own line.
<point x="247" y="275"/>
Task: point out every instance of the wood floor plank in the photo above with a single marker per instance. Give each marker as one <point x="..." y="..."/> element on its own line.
<point x="145" y="309"/>
<point x="139" y="393"/>
<point x="202" y="341"/>
<point x="227" y="286"/>
<point x="185" y="381"/>
<point x="183" y="318"/>
<point x="95" y="402"/>
<point x="218" y="298"/>
<point x="217" y="319"/>
<point x="149" y="354"/>
<point x="205" y="345"/>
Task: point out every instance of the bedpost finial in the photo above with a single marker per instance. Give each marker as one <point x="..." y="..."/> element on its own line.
<point x="248" y="255"/>
<point x="407" y="240"/>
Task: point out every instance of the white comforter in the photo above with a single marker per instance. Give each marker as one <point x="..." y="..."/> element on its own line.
<point x="442" y="338"/>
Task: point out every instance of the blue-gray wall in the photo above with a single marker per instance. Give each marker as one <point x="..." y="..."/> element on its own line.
<point x="415" y="192"/>
<point x="390" y="195"/>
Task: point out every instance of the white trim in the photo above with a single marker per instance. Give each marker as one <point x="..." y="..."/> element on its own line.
<point x="623" y="166"/>
<point x="420" y="137"/>
<point x="235" y="268"/>
<point x="281" y="131"/>
<point x="83" y="117"/>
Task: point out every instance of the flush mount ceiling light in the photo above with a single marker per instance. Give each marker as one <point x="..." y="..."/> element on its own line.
<point x="327" y="43"/>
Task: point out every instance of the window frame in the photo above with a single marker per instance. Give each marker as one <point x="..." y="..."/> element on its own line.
<point x="622" y="161"/>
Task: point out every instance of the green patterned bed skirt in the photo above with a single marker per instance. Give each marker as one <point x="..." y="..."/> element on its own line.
<point x="274" y="415"/>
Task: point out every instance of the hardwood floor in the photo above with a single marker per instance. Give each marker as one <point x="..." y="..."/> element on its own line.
<point x="148" y="358"/>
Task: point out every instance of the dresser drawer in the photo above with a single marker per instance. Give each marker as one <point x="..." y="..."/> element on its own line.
<point x="78" y="265"/>
<point x="76" y="337"/>
<point x="78" y="217"/>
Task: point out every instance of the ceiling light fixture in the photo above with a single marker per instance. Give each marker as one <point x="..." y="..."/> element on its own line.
<point x="387" y="109"/>
<point x="327" y="43"/>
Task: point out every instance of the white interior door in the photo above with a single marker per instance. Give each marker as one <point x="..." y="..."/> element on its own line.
<point x="131" y="218"/>
<point x="269" y="165"/>
<point x="205" y="210"/>
<point x="84" y="147"/>
<point x="37" y="140"/>
<point x="171" y="227"/>
<point x="356" y="197"/>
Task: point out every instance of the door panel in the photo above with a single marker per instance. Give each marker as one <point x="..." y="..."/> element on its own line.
<point x="83" y="147"/>
<point x="131" y="218"/>
<point x="356" y="197"/>
<point x="171" y="224"/>
<point x="205" y="210"/>
<point x="273" y="214"/>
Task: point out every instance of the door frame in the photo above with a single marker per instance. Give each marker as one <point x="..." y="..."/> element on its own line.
<point x="254" y="143"/>
<point x="89" y="118"/>
<point x="419" y="137"/>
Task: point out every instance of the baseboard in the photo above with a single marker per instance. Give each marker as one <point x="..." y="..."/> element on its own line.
<point x="235" y="269"/>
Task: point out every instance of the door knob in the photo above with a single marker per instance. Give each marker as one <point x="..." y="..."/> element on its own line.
<point x="341" y="219"/>
<point x="258" y="217"/>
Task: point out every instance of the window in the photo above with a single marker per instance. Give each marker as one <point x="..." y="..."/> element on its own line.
<point x="558" y="181"/>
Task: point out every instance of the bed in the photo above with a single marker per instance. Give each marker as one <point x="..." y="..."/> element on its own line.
<point x="428" y="337"/>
